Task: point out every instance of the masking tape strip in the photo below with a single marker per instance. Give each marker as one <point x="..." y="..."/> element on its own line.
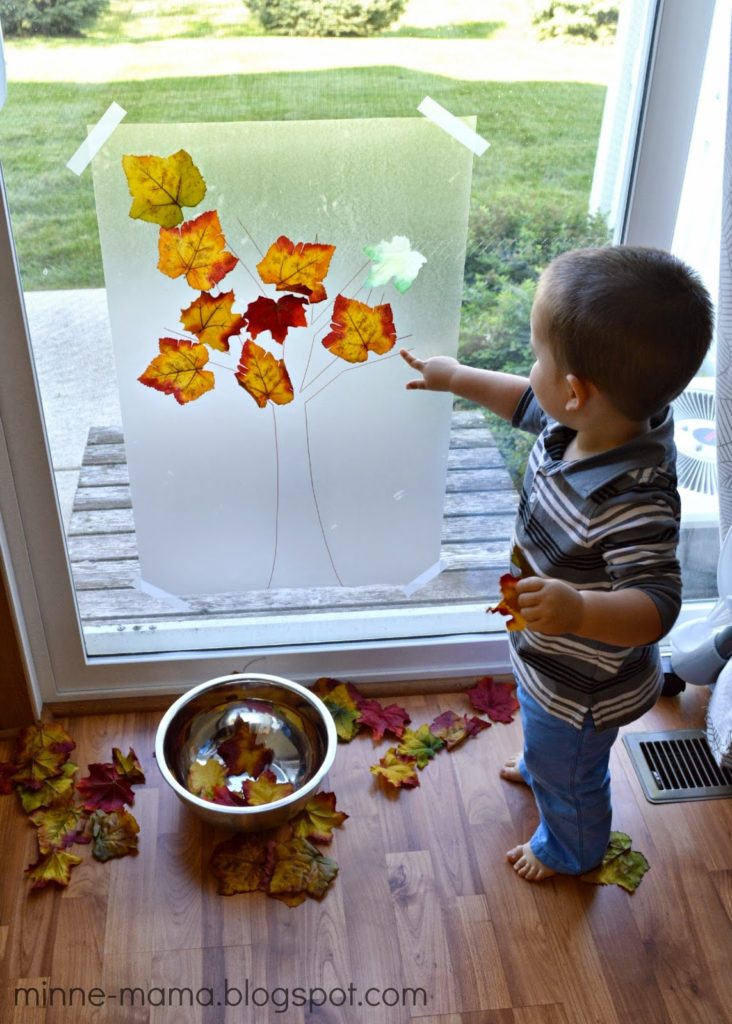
<point x="436" y="113"/>
<point x="96" y="138"/>
<point x="423" y="579"/>
<point x="177" y="604"/>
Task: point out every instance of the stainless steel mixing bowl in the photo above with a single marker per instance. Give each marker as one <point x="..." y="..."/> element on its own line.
<point x="285" y="716"/>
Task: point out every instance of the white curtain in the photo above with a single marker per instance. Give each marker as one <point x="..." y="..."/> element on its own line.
<point x="724" y="338"/>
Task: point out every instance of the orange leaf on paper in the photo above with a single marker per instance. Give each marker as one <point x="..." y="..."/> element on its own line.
<point x="265" y="789"/>
<point x="358" y="329"/>
<point x="265" y="378"/>
<point x="318" y="819"/>
<point x="243" y="753"/>
<point x="399" y="770"/>
<point x="509" y="604"/>
<point x="161" y="185"/>
<point x="297" y="268"/>
<point x="275" y="316"/>
<point x="53" y="867"/>
<point x="197" y="249"/>
<point x="178" y="370"/>
<point x="212" y="320"/>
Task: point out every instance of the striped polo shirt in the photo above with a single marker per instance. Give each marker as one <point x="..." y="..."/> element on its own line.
<point x="603" y="523"/>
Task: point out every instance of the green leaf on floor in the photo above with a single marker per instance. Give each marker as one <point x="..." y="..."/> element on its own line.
<point x="621" y="865"/>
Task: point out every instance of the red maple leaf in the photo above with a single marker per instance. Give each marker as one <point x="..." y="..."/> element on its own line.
<point x="496" y="699"/>
<point x="380" y="719"/>
<point x="105" y="789"/>
<point x="228" y="797"/>
<point x="275" y="316"/>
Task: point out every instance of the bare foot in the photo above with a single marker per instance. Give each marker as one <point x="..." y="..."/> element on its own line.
<point x="511" y="771"/>
<point x="527" y="864"/>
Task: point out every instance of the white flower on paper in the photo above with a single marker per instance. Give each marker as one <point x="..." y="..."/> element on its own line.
<point x="395" y="259"/>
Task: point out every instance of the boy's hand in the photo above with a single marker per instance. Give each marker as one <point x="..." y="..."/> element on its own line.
<point x="550" y="606"/>
<point x="437" y="373"/>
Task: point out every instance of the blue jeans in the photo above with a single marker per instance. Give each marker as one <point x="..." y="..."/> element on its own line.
<point x="567" y="770"/>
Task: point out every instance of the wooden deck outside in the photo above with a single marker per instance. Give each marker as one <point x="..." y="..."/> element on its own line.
<point x="480" y="505"/>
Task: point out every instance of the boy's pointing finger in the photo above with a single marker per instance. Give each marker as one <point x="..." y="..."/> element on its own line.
<point x="415" y="363"/>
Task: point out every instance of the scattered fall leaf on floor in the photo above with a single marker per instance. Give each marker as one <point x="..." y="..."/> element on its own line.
<point x="53" y="867"/>
<point x="300" y="870"/>
<point x="128" y="766"/>
<point x="357" y="329"/>
<point x="179" y="370"/>
<point x="197" y="251"/>
<point x="508" y="605"/>
<point x="7" y="771"/>
<point x="161" y="185"/>
<point x="54" y="792"/>
<point x="345" y="711"/>
<point x="276" y="316"/>
<point x="60" y="827"/>
<point x="454" y="729"/>
<point x="621" y="865"/>
<point x="240" y="864"/>
<point x="263" y="376"/>
<point x="318" y="819"/>
<point x="395" y="259"/>
<point x="205" y="777"/>
<point x="114" y="834"/>
<point x="399" y="770"/>
<point x="265" y="789"/>
<point x="212" y="319"/>
<point x="105" y="789"/>
<point x="325" y="685"/>
<point x="421" y="744"/>
<point x="300" y="268"/>
<point x="243" y="753"/>
<point x="497" y="700"/>
<point x="40" y="752"/>
<point x="380" y="720"/>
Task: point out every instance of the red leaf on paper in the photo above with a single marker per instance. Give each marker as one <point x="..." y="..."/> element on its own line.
<point x="498" y="700"/>
<point x="380" y="719"/>
<point x="297" y="268"/>
<point x="104" y="789"/>
<point x="265" y="378"/>
<point x="509" y="604"/>
<point x="358" y="329"/>
<point x="275" y="316"/>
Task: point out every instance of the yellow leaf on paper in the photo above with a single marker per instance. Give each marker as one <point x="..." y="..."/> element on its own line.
<point x="297" y="268"/>
<point x="197" y="249"/>
<point x="358" y="329"/>
<point x="178" y="370"/>
<point x="265" y="378"/>
<point x="212" y="320"/>
<point x="161" y="185"/>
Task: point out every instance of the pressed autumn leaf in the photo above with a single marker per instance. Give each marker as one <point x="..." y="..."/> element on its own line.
<point x="128" y="766"/>
<point x="196" y="250"/>
<point x="265" y="378"/>
<point x="454" y="729"/>
<point x="40" y="752"/>
<point x="421" y="744"/>
<point x="178" y="370"/>
<point x="161" y="185"/>
<point x="300" y="869"/>
<point x="205" y="777"/>
<point x="508" y="605"/>
<point x="104" y="789"/>
<point x="344" y="710"/>
<point x="395" y="259"/>
<point x="380" y="719"/>
<point x="298" y="268"/>
<point x="318" y="819"/>
<point x="276" y="316"/>
<point x="60" y="827"/>
<point x="54" y="792"/>
<point x="498" y="700"/>
<point x="212" y="320"/>
<point x="357" y="329"/>
<point x="265" y="789"/>
<point x="241" y="864"/>
<point x="52" y="867"/>
<point x="621" y="865"/>
<point x="243" y="753"/>
<point x="113" y="834"/>
<point x="399" y="770"/>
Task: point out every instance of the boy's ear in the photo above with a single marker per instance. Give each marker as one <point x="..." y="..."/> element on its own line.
<point x="578" y="392"/>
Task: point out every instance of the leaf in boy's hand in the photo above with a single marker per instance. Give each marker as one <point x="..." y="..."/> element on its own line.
<point x="621" y="865"/>
<point x="498" y="700"/>
<point x="509" y="604"/>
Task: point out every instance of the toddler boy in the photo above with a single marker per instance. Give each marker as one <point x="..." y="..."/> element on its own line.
<point x="617" y="333"/>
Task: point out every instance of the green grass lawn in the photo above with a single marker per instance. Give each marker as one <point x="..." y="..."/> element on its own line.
<point x="543" y="138"/>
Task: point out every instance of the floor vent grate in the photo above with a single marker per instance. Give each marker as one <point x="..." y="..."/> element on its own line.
<point x="676" y="766"/>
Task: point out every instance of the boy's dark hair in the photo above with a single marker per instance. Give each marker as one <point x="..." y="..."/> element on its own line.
<point x="633" y="321"/>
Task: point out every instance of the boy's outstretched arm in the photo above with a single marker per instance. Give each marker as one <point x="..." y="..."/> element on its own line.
<point x="499" y="392"/>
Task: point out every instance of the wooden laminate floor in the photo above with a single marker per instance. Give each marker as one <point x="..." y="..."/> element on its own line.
<point x="424" y="901"/>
